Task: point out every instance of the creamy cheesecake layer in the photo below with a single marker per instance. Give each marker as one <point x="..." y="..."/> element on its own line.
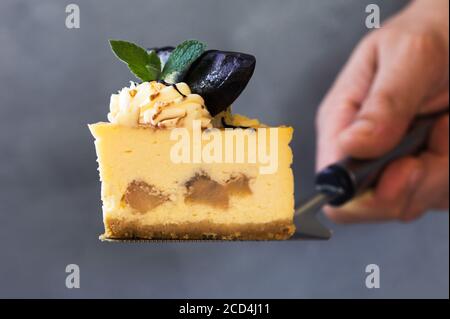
<point x="140" y="156"/>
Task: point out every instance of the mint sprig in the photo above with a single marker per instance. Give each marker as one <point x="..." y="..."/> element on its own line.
<point x="146" y="66"/>
<point x="181" y="59"/>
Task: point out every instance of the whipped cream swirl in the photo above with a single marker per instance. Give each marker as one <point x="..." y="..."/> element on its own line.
<point x="158" y="105"/>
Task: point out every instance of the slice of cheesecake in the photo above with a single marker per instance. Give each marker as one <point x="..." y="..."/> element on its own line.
<point x="176" y="164"/>
<point x="146" y="195"/>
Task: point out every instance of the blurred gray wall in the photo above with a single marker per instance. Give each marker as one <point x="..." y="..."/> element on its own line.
<point x="53" y="81"/>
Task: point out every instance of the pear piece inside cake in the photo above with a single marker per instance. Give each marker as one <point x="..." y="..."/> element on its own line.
<point x="175" y="163"/>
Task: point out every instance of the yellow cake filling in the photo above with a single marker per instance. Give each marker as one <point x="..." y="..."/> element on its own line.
<point x="130" y="155"/>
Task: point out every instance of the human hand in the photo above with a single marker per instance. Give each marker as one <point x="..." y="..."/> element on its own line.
<point x="395" y="74"/>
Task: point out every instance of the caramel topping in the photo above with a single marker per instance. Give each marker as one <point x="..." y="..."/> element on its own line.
<point x="132" y="93"/>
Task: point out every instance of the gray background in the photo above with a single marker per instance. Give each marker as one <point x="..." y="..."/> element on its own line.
<point x="54" y="81"/>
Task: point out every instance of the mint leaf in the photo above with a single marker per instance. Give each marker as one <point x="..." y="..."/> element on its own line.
<point x="128" y="52"/>
<point x="181" y="59"/>
<point x="146" y="66"/>
<point x="154" y="64"/>
<point x="141" y="72"/>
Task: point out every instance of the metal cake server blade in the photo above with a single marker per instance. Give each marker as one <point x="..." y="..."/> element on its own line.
<point x="305" y="218"/>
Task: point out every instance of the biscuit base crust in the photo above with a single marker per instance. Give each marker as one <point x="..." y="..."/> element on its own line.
<point x="123" y="229"/>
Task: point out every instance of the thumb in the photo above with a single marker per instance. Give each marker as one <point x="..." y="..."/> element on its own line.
<point x="377" y="129"/>
<point x="399" y="88"/>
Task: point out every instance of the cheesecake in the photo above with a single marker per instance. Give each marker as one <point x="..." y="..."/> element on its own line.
<point x="176" y="163"/>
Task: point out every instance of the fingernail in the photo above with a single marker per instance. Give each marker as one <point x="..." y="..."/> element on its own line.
<point x="361" y="127"/>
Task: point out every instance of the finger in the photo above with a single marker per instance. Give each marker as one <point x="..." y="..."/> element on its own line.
<point x="433" y="190"/>
<point x="437" y="103"/>
<point x="397" y="184"/>
<point x="332" y="121"/>
<point x="352" y="212"/>
<point x="439" y="138"/>
<point x="341" y="104"/>
<point x="393" y="101"/>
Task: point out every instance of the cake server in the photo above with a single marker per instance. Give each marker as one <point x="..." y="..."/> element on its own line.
<point x="339" y="183"/>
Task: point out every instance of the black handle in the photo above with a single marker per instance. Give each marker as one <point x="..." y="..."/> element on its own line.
<point x="350" y="177"/>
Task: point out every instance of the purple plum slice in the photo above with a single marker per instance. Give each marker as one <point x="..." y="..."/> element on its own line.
<point x="220" y="77"/>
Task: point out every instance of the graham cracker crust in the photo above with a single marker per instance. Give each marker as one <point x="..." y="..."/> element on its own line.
<point x="123" y="229"/>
